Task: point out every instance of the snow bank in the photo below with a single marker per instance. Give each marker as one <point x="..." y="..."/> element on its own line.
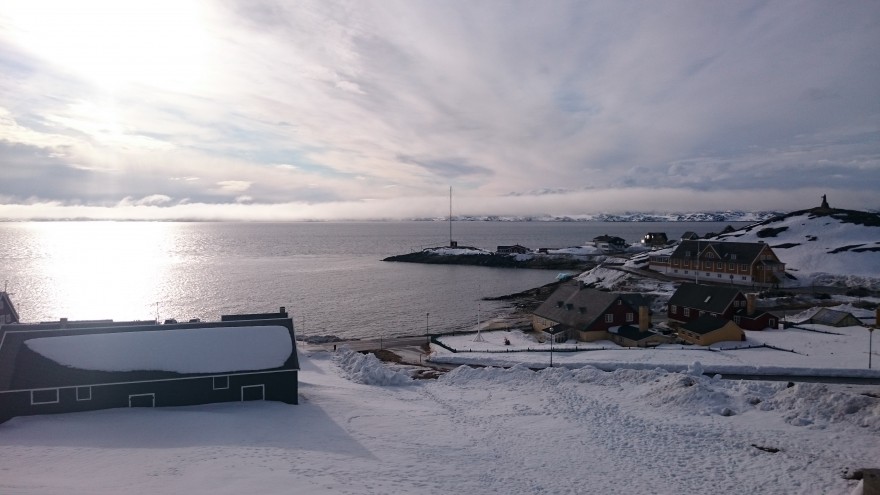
<point x="690" y="392"/>
<point x="368" y="369"/>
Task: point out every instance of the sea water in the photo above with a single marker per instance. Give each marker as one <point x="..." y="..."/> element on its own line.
<point x="329" y="275"/>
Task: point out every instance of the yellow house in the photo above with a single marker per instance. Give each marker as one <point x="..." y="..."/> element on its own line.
<point x="707" y="330"/>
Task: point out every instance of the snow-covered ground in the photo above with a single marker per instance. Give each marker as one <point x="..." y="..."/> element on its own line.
<point x="476" y="431"/>
<point x="816" y="350"/>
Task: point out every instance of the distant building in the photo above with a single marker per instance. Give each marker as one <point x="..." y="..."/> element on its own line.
<point x="80" y="366"/>
<point x="689" y="236"/>
<point x="834" y="318"/>
<point x="655" y="239"/>
<point x="515" y="249"/>
<point x="739" y="263"/>
<point x="610" y="243"/>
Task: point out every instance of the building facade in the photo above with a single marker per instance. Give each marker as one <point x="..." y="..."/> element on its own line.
<point x="736" y="263"/>
<point x="81" y="366"/>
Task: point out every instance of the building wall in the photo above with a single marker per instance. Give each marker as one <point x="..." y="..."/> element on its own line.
<point x="741" y="272"/>
<point x="728" y="333"/>
<point x="279" y="386"/>
<point x="592" y="336"/>
<point x="618" y="311"/>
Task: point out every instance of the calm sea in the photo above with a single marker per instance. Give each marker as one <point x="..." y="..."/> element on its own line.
<point x="328" y="275"/>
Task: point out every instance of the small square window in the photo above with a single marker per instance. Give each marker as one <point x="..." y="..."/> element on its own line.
<point x="221" y="382"/>
<point x="83" y="393"/>
<point x="609" y="318"/>
<point x="44" y="396"/>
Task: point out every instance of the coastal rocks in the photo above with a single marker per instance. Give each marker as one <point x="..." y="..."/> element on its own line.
<point x="486" y="258"/>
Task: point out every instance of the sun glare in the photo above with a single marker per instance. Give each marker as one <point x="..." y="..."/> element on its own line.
<point x="159" y="43"/>
<point x="104" y="269"/>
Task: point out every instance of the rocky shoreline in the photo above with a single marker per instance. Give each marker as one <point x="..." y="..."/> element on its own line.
<point x="495" y="260"/>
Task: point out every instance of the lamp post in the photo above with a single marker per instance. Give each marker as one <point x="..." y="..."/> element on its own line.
<point x="552" y="338"/>
<point x="427" y="336"/>
<point x="870" y="338"/>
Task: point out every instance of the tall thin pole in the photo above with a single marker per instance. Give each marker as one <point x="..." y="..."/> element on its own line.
<point x="450" y="216"/>
<point x="870" y="334"/>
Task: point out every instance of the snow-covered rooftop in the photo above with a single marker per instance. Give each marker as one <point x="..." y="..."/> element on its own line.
<point x="191" y="350"/>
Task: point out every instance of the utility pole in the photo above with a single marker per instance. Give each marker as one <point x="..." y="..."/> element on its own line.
<point x="427" y="336"/>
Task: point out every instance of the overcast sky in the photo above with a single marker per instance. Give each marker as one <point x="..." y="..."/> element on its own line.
<point x="319" y="110"/>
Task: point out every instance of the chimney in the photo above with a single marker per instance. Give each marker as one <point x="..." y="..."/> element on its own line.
<point x="644" y="318"/>
<point x="750" y="304"/>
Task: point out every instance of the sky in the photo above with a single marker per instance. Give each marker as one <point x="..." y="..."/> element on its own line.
<point x="262" y="110"/>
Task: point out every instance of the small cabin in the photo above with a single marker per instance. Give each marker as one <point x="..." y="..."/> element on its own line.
<point x="655" y="239"/>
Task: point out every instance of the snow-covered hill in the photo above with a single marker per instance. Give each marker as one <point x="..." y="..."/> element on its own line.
<point x="701" y="216"/>
<point x="822" y="246"/>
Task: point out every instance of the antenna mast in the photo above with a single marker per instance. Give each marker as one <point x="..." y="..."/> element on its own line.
<point x="450" y="216"/>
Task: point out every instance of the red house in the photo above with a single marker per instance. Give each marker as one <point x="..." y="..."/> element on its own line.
<point x="691" y="301"/>
<point x="576" y="312"/>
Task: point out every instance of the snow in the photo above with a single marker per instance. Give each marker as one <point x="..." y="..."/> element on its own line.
<point x="477" y="431"/>
<point x="458" y="251"/>
<point x="192" y="350"/>
<point x="812" y="240"/>
<point x="818" y="350"/>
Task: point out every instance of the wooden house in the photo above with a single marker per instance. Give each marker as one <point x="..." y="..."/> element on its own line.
<point x="738" y="263"/>
<point x="655" y="239"/>
<point x="690" y="301"/>
<point x="834" y="318"/>
<point x="575" y="312"/>
<point x="80" y="366"/>
<point x="708" y="330"/>
<point x="633" y="336"/>
<point x="7" y="309"/>
<point x="610" y="243"/>
<point x="689" y="236"/>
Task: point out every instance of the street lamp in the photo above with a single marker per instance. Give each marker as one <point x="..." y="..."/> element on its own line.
<point x="427" y="337"/>
<point x="870" y="338"/>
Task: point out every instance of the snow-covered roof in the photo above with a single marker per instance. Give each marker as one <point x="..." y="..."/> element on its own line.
<point x="191" y="350"/>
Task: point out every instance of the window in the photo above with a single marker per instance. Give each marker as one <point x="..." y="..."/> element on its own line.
<point x="44" y="396"/>
<point x="687" y="254"/>
<point x="83" y="393"/>
<point x="629" y="317"/>
<point x="744" y="278"/>
<point x="737" y="319"/>
<point x="719" y="265"/>
<point x="731" y="266"/>
<point x="221" y="382"/>
<point x="687" y="311"/>
<point x="609" y="318"/>
<point x="771" y="323"/>
<point x="685" y="272"/>
<point x="719" y="275"/>
<point x="619" y="302"/>
<point x="744" y="267"/>
<point x="709" y="255"/>
<point x="733" y="256"/>
<point x="708" y="274"/>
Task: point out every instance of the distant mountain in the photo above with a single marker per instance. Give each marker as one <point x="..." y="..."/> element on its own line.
<point x="715" y="216"/>
<point x="822" y="246"/>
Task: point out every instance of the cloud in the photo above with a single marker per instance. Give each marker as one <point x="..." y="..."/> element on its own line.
<point x="234" y="186"/>
<point x="326" y="104"/>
